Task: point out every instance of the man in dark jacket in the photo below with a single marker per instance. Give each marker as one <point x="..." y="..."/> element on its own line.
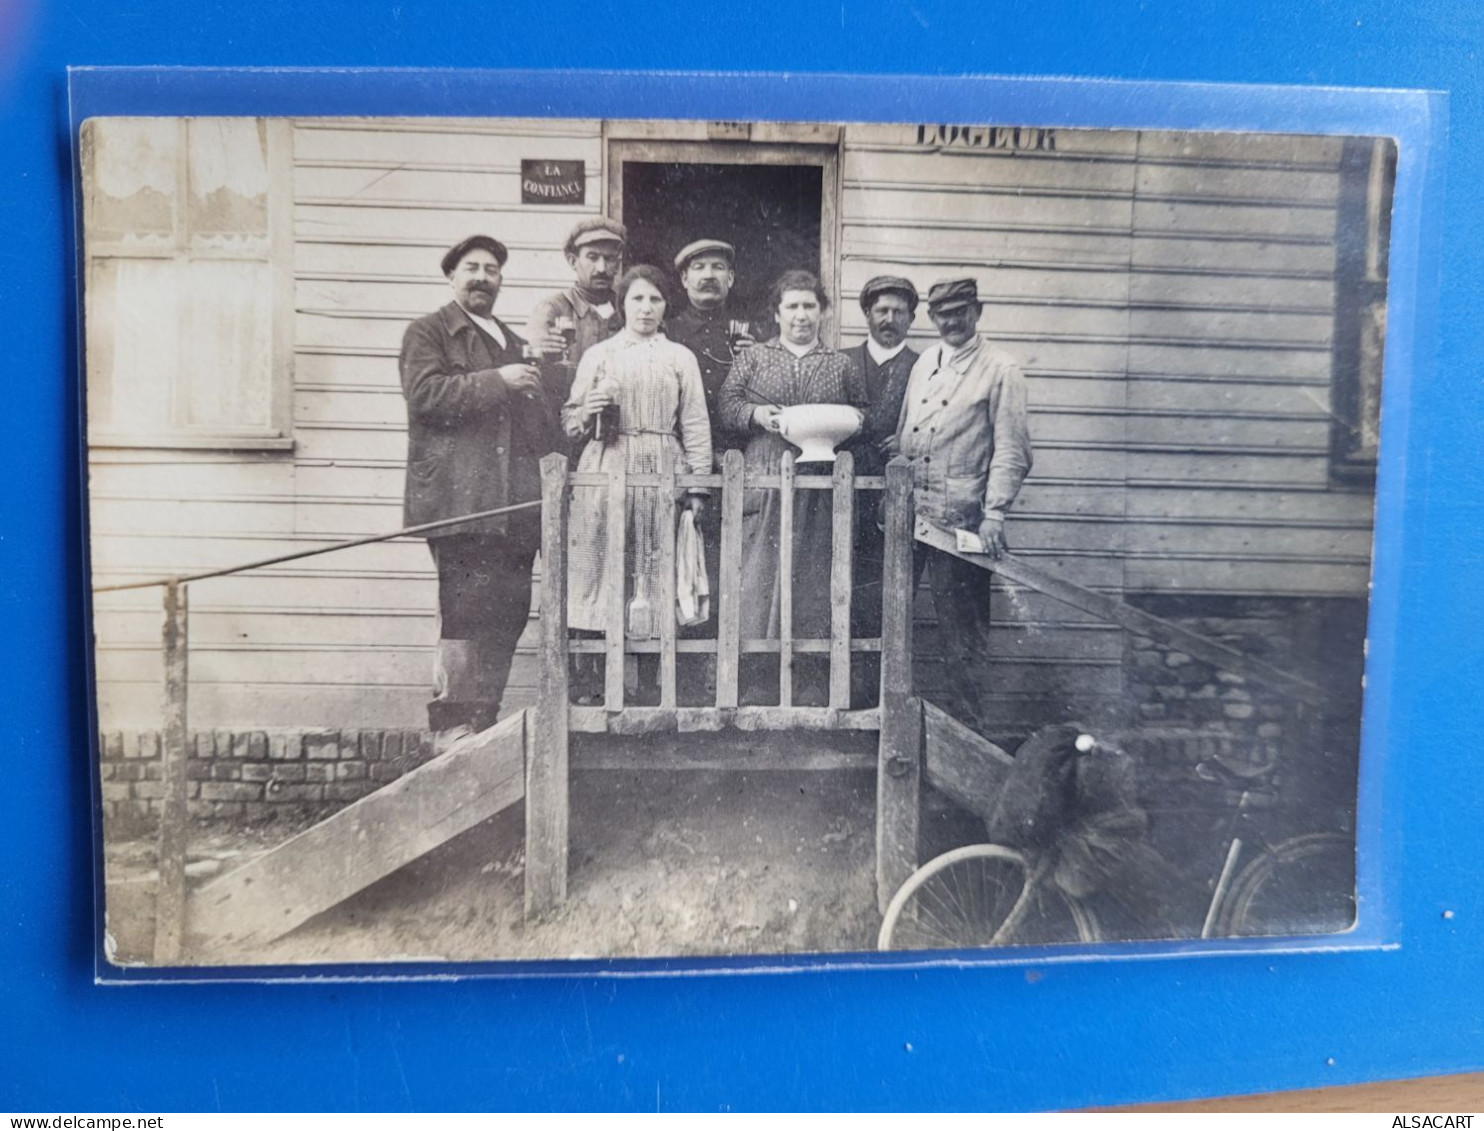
<point x="884" y="362"/>
<point x="479" y="419"/>
<point x="706" y="324"/>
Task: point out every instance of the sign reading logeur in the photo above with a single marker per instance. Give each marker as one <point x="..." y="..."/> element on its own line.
<point x="987" y="137"/>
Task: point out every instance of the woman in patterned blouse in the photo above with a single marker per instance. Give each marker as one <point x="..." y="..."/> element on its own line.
<point x="792" y="368"/>
<point x="654" y="385"/>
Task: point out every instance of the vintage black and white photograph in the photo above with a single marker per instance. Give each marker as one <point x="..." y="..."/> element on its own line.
<point x="527" y="539"/>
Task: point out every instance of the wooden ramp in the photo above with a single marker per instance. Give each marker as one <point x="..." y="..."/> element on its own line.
<point x="364" y="842"/>
<point x="960" y="762"/>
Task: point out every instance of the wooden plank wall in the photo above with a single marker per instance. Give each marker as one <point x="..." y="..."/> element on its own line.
<point x="1048" y="236"/>
<point x="1169" y="297"/>
<point x="346" y="639"/>
<point x="1231" y="310"/>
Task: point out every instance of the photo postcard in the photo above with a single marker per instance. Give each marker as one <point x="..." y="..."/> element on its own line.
<point x="529" y="539"/>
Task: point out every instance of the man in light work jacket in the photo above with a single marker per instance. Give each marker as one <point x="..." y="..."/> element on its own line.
<point x="963" y="430"/>
<point x="478" y="422"/>
<point x="595" y="252"/>
<point x="884" y="362"/>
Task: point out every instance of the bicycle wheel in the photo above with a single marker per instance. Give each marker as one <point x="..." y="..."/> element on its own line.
<point x="977" y="896"/>
<point x="1303" y="886"/>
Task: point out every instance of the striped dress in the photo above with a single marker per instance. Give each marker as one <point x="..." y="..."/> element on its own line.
<point x="661" y="407"/>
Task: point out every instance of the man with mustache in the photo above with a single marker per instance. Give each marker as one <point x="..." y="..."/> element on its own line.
<point x="478" y="422"/>
<point x="963" y="430"/>
<point x="707" y="270"/>
<point x="884" y="362"/>
<point x="595" y="252"/>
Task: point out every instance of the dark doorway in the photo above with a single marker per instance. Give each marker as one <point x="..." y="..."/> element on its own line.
<point x="769" y="213"/>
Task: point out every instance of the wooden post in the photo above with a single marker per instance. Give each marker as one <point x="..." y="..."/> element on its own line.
<point x="546" y="742"/>
<point x="841" y="550"/>
<point x="666" y="610"/>
<point x="615" y="583"/>
<point x="899" y="761"/>
<point x="170" y="895"/>
<point x="729" y="623"/>
<point x="786" y="580"/>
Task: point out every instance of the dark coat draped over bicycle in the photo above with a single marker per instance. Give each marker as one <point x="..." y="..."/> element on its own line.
<point x="1083" y="809"/>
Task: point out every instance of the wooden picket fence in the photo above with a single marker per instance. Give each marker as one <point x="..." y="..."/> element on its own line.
<point x="633" y="736"/>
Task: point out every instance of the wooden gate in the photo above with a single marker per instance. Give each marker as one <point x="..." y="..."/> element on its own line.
<point x="633" y="736"/>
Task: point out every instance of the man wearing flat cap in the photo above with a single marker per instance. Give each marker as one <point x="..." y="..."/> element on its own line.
<point x="584" y="314"/>
<point x="478" y="422"/>
<point x="710" y="327"/>
<point x="884" y="362"/>
<point x="708" y="272"/>
<point x="963" y="431"/>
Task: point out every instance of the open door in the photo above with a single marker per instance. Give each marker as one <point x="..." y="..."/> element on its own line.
<point x="774" y="202"/>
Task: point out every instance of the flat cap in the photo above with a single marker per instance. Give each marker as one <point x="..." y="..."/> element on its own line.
<point x="600" y="230"/>
<point x="893" y="284"/>
<point x="704" y="247"/>
<point x="457" y="252"/>
<point x="950" y="294"/>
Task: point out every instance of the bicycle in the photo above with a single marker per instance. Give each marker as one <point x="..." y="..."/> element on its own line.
<point x="985" y="895"/>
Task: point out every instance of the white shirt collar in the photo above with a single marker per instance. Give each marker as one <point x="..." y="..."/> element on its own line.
<point x="489" y="326"/>
<point x="880" y="354"/>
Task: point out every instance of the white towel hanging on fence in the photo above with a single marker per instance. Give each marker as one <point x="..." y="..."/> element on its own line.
<point x="692" y="590"/>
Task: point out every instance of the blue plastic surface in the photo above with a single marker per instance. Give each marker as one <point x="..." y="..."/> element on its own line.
<point x="942" y="1037"/>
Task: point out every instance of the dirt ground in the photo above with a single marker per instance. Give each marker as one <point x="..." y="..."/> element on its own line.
<point x="676" y="863"/>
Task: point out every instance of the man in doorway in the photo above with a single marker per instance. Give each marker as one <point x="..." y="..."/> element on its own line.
<point x="710" y="326"/>
<point x="963" y="430"/>
<point x="584" y="313"/>
<point x="478" y="421"/>
<point x="884" y="362"/>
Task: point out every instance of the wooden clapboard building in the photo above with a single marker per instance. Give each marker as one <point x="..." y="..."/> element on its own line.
<point x="1199" y="317"/>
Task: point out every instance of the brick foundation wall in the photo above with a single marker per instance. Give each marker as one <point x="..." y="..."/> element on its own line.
<point x="255" y="775"/>
<point x="1173" y="691"/>
<point x="1180" y="710"/>
<point x="1185" y="709"/>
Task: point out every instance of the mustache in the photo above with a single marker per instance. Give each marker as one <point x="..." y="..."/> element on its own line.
<point x="708" y="285"/>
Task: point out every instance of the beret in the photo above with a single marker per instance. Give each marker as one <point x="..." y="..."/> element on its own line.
<point x="893" y="283"/>
<point x="701" y="247"/>
<point x="948" y="294"/>
<point x="457" y="252"/>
